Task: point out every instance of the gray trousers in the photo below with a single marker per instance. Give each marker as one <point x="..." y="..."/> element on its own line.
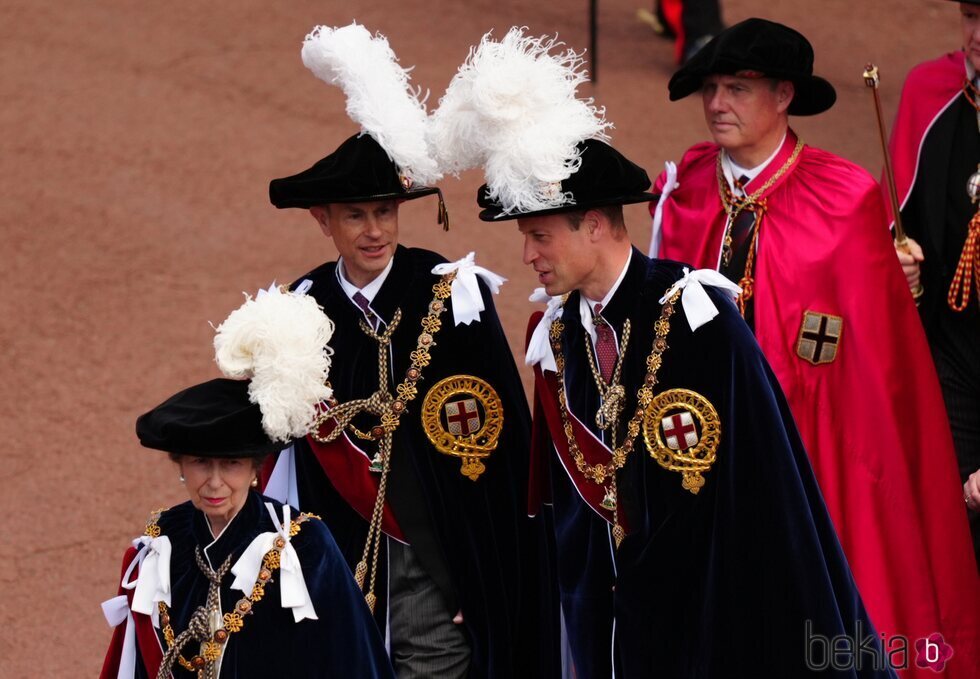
<point x="424" y="640"/>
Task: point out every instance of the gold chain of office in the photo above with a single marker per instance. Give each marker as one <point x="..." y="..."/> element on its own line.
<point x="734" y="207"/>
<point x="600" y="472"/>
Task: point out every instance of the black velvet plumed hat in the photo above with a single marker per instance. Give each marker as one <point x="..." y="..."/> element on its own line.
<point x="605" y="177"/>
<point x="359" y="171"/>
<point x="759" y="48"/>
<point x="213" y="419"/>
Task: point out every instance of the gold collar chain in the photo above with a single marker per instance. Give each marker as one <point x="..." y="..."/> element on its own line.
<point x="734" y="205"/>
<point x="600" y="473"/>
<point x="199" y="627"/>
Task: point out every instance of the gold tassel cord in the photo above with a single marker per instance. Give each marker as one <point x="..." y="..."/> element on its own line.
<point x="967" y="269"/>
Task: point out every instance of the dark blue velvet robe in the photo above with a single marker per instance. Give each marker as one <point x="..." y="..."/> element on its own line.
<point x="474" y="538"/>
<point x="718" y="584"/>
<point x="343" y="642"/>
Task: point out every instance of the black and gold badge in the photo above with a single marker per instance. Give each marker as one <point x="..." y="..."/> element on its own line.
<point x="682" y="432"/>
<point x="462" y="415"/>
<point x="819" y="337"/>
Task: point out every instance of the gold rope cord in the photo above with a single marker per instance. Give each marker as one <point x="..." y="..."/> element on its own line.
<point x="389" y="408"/>
<point x="967" y="269"/>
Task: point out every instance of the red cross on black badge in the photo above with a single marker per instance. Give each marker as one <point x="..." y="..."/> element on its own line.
<point x="819" y="337"/>
<point x="462" y="417"/>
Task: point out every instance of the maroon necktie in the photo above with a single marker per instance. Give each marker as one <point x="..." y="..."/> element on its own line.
<point x="361" y="301"/>
<point x="605" y="345"/>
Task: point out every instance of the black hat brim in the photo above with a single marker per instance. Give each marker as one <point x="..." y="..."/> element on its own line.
<point x="766" y="49"/>
<point x="812" y="95"/>
<point x="212" y="419"/>
<point x="358" y="171"/>
<point x="308" y="202"/>
<point x="496" y="214"/>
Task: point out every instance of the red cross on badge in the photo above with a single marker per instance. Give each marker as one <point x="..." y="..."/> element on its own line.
<point x="679" y="431"/>
<point x="463" y="417"/>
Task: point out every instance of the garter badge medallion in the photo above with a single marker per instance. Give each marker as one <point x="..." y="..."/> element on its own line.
<point x="462" y="415"/>
<point x="682" y="432"/>
<point x="819" y="337"/>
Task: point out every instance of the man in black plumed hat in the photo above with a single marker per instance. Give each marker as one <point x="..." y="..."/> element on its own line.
<point x="691" y="537"/>
<point x="420" y="465"/>
<point x="802" y="231"/>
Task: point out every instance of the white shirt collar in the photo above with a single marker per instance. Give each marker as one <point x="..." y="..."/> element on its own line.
<point x="733" y="169"/>
<point x="370" y="290"/>
<point x="586" y="305"/>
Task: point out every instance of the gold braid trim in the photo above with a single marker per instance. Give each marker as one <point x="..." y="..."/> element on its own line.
<point x="234" y="621"/>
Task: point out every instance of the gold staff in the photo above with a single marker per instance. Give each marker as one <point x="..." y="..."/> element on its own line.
<point x="901" y="239"/>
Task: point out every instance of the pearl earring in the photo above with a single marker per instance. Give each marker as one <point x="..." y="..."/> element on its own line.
<point x="182" y="479"/>
<point x="255" y="483"/>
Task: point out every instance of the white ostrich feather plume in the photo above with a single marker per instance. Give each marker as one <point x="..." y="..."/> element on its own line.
<point x="511" y="108"/>
<point x="278" y="340"/>
<point x="379" y="97"/>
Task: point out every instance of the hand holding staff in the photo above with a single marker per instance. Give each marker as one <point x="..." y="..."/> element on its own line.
<point x="901" y="240"/>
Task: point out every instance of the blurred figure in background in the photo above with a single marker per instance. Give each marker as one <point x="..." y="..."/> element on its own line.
<point x="691" y="23"/>
<point x="935" y="147"/>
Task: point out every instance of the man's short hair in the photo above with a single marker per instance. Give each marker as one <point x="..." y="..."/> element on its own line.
<point x="614" y="213"/>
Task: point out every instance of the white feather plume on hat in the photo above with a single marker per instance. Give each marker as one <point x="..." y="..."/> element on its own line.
<point x="278" y="340"/>
<point x="512" y="109"/>
<point x="379" y="98"/>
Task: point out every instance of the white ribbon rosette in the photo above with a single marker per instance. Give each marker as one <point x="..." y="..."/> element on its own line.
<point x="467" y="300"/>
<point x="698" y="307"/>
<point x="539" y="348"/>
<point x="292" y="585"/>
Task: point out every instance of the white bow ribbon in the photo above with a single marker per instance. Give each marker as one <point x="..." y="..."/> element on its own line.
<point x="116" y="611"/>
<point x="656" y="231"/>
<point x="698" y="307"/>
<point x="467" y="300"/>
<point x="292" y="585"/>
<point x="539" y="348"/>
<point x="153" y="582"/>
<point x="152" y="585"/>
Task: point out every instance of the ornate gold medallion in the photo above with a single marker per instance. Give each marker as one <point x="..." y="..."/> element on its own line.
<point x="682" y="433"/>
<point x="463" y="416"/>
<point x="819" y="337"/>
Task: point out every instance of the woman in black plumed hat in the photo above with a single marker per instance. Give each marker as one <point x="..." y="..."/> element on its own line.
<point x="231" y="583"/>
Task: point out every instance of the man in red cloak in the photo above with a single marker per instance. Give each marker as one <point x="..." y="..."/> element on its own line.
<point x="802" y="231"/>
<point x="935" y="147"/>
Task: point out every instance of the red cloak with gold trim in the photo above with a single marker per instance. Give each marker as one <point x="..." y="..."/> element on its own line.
<point x="872" y="420"/>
